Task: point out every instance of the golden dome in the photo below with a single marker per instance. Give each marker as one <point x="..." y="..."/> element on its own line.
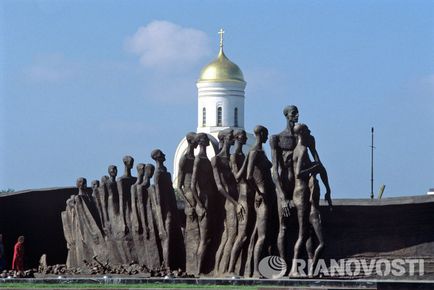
<point x="220" y="70"/>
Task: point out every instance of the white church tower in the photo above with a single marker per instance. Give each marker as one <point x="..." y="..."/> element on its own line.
<point x="221" y="95"/>
<point x="221" y="89"/>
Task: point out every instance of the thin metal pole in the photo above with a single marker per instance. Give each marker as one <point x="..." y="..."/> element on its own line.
<point x="372" y="162"/>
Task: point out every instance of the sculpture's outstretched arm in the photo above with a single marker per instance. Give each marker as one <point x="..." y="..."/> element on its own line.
<point x="322" y="171"/>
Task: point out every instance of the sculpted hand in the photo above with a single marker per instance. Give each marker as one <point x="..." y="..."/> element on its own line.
<point x="258" y="201"/>
<point x="285" y="208"/>
<point x="240" y="212"/>
<point x="192" y="215"/>
<point x="329" y="200"/>
<point x="201" y="211"/>
<point x="163" y="234"/>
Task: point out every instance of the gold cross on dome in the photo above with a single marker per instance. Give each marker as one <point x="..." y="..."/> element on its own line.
<point x="221" y="32"/>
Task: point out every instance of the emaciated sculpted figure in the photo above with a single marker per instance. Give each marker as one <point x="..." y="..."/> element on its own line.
<point x="97" y="200"/>
<point x="282" y="147"/>
<point x="152" y="244"/>
<point x="227" y="186"/>
<point x="69" y="217"/>
<point x="103" y="197"/>
<point x="116" y="229"/>
<point x="314" y="189"/>
<point x="202" y="186"/>
<point x="245" y="198"/>
<point x="303" y="169"/>
<point x="259" y="175"/>
<point x="124" y="184"/>
<point x="139" y="215"/>
<point x="166" y="206"/>
<point x="88" y="229"/>
<point x="191" y="235"/>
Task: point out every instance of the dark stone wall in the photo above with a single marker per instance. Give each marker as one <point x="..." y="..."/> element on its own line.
<point x="392" y="227"/>
<point x="36" y="215"/>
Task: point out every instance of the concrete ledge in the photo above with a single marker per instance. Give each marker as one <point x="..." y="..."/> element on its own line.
<point x="287" y="283"/>
<point x="417" y="199"/>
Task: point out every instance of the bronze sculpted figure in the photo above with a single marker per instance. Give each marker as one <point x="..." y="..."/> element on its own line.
<point x="129" y="220"/>
<point x="282" y="147"/>
<point x="139" y="215"/>
<point x="103" y="197"/>
<point x="202" y="186"/>
<point x="95" y="228"/>
<point x="315" y="227"/>
<point x="82" y="233"/>
<point x="98" y="202"/>
<point x="166" y="209"/>
<point x="245" y="199"/>
<point x="227" y="186"/>
<point x="191" y="234"/>
<point x="124" y="184"/>
<point x="303" y="170"/>
<point x="259" y="176"/>
<point x="117" y="228"/>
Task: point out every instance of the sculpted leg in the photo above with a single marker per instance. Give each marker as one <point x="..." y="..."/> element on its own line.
<point x="166" y="243"/>
<point x="302" y="236"/>
<point x="203" y="244"/>
<point x="261" y="223"/>
<point x="315" y="220"/>
<point x="281" y="241"/>
<point x="310" y="244"/>
<point x="220" y="250"/>
<point x="231" y="236"/>
<point x="239" y="242"/>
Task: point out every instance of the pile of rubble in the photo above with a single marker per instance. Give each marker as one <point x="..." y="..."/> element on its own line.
<point x="98" y="268"/>
<point x="18" y="274"/>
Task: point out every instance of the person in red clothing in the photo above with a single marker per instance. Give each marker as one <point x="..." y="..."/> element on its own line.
<point x="18" y="260"/>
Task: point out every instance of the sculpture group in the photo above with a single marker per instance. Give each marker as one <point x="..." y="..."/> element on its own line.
<point x="125" y="220"/>
<point x="237" y="207"/>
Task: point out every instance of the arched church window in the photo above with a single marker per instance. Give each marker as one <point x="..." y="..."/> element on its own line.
<point x="203" y="117"/>
<point x="236" y="117"/>
<point x="219" y="116"/>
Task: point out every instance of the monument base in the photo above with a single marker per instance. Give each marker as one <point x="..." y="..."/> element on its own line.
<point x="291" y="284"/>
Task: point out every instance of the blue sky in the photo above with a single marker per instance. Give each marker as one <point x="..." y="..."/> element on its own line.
<point x="83" y="83"/>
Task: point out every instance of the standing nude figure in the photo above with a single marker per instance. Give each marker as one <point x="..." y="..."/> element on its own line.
<point x="124" y="184"/>
<point x="103" y="196"/>
<point x="303" y="170"/>
<point x="315" y="231"/>
<point x="98" y="203"/>
<point x="139" y="216"/>
<point x="245" y="198"/>
<point x="116" y="227"/>
<point x="227" y="186"/>
<point x="282" y="147"/>
<point x="259" y="176"/>
<point x="166" y="206"/>
<point x="152" y="244"/>
<point x="202" y="186"/>
<point x="185" y="173"/>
